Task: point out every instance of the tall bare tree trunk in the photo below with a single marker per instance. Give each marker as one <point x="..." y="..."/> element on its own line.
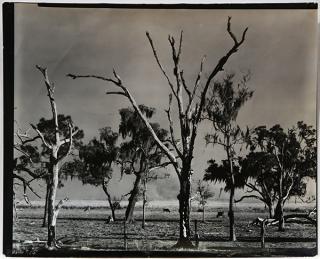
<point x="44" y="220"/>
<point x="134" y="195"/>
<point x="53" y="209"/>
<point x="184" y="210"/>
<point x="51" y="201"/>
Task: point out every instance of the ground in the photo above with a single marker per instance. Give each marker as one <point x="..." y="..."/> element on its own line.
<point x="80" y="230"/>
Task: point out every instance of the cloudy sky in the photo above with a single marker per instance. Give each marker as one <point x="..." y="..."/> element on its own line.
<point x="280" y="51"/>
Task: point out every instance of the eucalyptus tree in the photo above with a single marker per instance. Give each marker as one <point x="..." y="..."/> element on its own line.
<point x="59" y="147"/>
<point x="293" y="156"/>
<point x="223" y="104"/>
<point x="139" y="153"/>
<point x="259" y="179"/>
<point x="95" y="163"/>
<point x="47" y="129"/>
<point x="190" y="101"/>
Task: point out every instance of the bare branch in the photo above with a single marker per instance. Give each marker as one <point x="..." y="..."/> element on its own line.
<point x="24" y="137"/>
<point x="26" y="185"/>
<point x="254" y="188"/>
<point x="180" y="45"/>
<point x="50" y="87"/>
<point x="230" y="32"/>
<point x="67" y="140"/>
<point x="218" y="68"/>
<point x="71" y="139"/>
<point x="173" y="141"/>
<point x="93" y="76"/>
<point x="233" y="36"/>
<point x="159" y="64"/>
<point x="60" y="204"/>
<point x="117" y="93"/>
<point x="185" y="85"/>
<point x="41" y="136"/>
<point x="17" y="147"/>
<point x="160" y="166"/>
<point x="197" y="83"/>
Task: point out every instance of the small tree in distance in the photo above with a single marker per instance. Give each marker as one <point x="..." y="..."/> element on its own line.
<point x="203" y="193"/>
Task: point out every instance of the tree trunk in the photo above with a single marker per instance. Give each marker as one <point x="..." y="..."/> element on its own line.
<point x="271" y="210"/>
<point x="143" y="210"/>
<point x="279" y="208"/>
<point x="51" y="203"/>
<point x="44" y="221"/>
<point x="134" y="195"/>
<point x="15" y="214"/>
<point x="262" y="233"/>
<point x="105" y="189"/>
<point x="232" y="236"/>
<point x="203" y="213"/>
<point x="279" y="215"/>
<point x="144" y="202"/>
<point x="184" y="211"/>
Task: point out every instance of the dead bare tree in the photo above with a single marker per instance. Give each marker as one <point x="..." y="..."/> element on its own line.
<point x="57" y="154"/>
<point x="189" y="117"/>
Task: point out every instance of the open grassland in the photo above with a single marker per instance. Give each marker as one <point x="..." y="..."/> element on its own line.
<point x="88" y="231"/>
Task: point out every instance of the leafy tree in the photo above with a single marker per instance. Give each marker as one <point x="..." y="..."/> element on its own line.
<point x="95" y="164"/>
<point x="259" y="179"/>
<point x="140" y="155"/>
<point x="292" y="155"/>
<point x="223" y="104"/>
<point x="190" y="103"/>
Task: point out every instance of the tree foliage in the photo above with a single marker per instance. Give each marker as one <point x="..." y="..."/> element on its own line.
<point x="220" y="173"/>
<point x="97" y="157"/>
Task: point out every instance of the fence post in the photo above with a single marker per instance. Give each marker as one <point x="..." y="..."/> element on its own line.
<point x="125" y="235"/>
<point x="196" y="235"/>
<point x="262" y="233"/>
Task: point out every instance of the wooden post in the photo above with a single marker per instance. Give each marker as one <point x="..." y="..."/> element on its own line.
<point x="125" y="234"/>
<point x="196" y="235"/>
<point x="262" y="232"/>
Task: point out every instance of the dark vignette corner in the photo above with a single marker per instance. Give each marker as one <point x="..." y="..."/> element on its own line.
<point x="8" y="91"/>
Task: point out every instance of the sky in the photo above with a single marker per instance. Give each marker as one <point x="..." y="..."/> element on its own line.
<point x="280" y="51"/>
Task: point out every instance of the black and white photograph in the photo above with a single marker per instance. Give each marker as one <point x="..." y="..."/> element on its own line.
<point x="160" y="130"/>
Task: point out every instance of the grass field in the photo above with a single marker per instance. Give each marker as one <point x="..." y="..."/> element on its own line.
<point x="78" y="230"/>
